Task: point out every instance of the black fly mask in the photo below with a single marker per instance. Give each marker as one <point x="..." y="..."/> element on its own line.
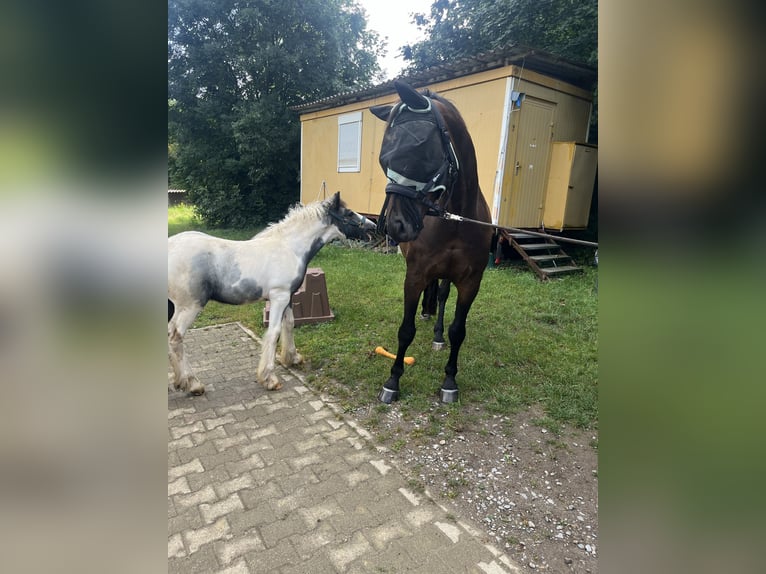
<point x="417" y="157"/>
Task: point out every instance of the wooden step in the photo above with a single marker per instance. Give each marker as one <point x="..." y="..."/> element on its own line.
<point x="556" y="257"/>
<point x="527" y="247"/>
<point x="560" y="270"/>
<point x="523" y="236"/>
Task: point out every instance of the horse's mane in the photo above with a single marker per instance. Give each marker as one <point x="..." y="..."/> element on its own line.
<point x="451" y="108"/>
<point x="460" y="136"/>
<point x="297" y="215"/>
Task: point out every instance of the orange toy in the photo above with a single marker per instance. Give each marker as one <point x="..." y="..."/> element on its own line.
<point x="382" y="351"/>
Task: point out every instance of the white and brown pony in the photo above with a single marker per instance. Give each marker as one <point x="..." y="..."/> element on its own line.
<point x="270" y="266"/>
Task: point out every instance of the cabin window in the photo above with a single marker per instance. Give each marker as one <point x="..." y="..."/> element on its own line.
<point x="350" y="142"/>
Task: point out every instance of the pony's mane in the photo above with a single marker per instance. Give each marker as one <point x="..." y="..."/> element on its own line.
<point x="296" y="216"/>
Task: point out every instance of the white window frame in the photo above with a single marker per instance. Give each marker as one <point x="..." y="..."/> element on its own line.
<point x="350" y="135"/>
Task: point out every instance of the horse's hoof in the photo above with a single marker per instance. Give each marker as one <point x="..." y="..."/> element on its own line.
<point x="425" y="316"/>
<point x="448" y="395"/>
<point x="437" y="346"/>
<point x="388" y="396"/>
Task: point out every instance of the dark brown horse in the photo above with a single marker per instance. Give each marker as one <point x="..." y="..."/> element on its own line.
<point x="429" y="159"/>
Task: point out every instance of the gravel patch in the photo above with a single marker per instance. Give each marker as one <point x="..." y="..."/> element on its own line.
<point x="534" y="492"/>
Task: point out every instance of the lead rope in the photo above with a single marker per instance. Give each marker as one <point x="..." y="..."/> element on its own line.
<point x="452" y="217"/>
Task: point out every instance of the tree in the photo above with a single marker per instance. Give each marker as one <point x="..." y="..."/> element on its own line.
<point x="234" y="68"/>
<point x="460" y="28"/>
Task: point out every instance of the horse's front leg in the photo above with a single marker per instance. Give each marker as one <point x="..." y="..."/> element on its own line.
<point x="449" y="391"/>
<point x="390" y="391"/>
<point x="265" y="374"/>
<point x="288" y="355"/>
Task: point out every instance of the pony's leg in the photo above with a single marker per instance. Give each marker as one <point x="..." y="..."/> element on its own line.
<point x="183" y="377"/>
<point x="265" y="374"/>
<point x="390" y="391"/>
<point x="441" y="297"/>
<point x="288" y="354"/>
<point x="449" y="391"/>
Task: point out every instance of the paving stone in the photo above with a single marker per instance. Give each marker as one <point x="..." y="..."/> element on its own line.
<point x="291" y="525"/>
<point x="188" y="519"/>
<point x="196" y="538"/>
<point x="309" y="543"/>
<point x="231" y="441"/>
<point x="235" y="484"/>
<point x="316" y="564"/>
<point x="211" y="477"/>
<point x="201" y="562"/>
<point x="206" y="494"/>
<point x="238" y="568"/>
<point x="201" y="451"/>
<point x="273" y="559"/>
<point x="211" y="512"/>
<point x="245" y="521"/>
<point x="342" y="555"/>
<point x="279" y="482"/>
<point x="234" y="549"/>
<point x="183" y="469"/>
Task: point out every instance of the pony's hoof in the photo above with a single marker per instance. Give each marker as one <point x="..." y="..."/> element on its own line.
<point x="425" y="316"/>
<point x="293" y="361"/>
<point x="197" y="390"/>
<point x="388" y="396"/>
<point x="448" y="395"/>
<point x="273" y="384"/>
<point x="437" y="346"/>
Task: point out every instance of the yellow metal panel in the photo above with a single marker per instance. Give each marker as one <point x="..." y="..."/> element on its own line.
<point x="570" y="186"/>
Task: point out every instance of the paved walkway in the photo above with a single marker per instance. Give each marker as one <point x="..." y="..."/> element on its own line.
<point x="279" y="482"/>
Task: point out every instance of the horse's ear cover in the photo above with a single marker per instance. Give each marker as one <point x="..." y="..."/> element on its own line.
<point x="381" y="112"/>
<point x="410" y="96"/>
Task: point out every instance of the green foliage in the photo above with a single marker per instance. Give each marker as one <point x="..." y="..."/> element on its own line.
<point x="234" y="69"/>
<point x="460" y="28"/>
<point x="184" y="217"/>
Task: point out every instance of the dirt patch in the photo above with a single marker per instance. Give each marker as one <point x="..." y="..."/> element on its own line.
<point x="533" y="491"/>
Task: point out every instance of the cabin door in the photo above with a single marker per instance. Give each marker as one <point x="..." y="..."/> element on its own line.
<point x="526" y="168"/>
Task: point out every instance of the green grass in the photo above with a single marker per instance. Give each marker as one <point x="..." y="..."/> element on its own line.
<point x="528" y="342"/>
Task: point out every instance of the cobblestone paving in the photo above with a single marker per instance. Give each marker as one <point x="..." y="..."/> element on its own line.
<point x="279" y="482"/>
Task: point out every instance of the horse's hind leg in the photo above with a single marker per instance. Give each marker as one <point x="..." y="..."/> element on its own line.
<point x="441" y="297"/>
<point x="183" y="377"/>
<point x="288" y="355"/>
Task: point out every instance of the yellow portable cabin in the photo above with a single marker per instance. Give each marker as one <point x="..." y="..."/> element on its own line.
<point x="517" y="103"/>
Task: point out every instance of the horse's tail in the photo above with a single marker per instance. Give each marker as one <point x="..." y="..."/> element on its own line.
<point x="171" y="310"/>
<point x="429" y="298"/>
